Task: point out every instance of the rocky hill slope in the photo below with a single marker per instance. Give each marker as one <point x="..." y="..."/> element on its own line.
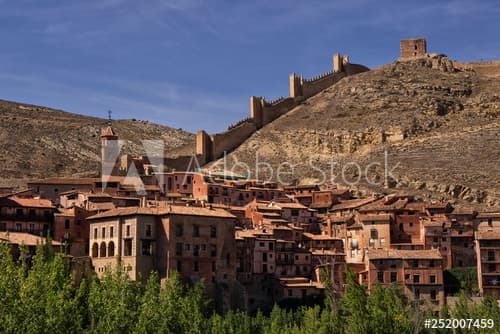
<point x="38" y="142"/>
<point x="440" y="129"/>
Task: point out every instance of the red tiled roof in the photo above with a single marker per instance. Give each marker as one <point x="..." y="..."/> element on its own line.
<point x="318" y="236"/>
<point x="108" y="132"/>
<point x="483" y="215"/>
<point x="170" y="210"/>
<point x="352" y="203"/>
<point x="27" y="239"/>
<point x="377" y="217"/>
<point x="374" y="254"/>
<point x="27" y="202"/>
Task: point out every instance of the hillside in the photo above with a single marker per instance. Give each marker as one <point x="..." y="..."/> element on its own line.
<point x="38" y="142"/>
<point x="440" y="128"/>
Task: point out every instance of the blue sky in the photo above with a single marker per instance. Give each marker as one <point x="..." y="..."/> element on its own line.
<point x="193" y="64"/>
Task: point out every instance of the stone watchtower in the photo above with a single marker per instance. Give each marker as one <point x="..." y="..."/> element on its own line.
<point x="413" y="48"/>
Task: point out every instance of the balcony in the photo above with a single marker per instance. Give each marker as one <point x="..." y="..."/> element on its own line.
<point x="284" y="262"/>
<point x="27" y="218"/>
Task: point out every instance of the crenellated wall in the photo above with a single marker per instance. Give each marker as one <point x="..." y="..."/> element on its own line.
<point x="262" y="112"/>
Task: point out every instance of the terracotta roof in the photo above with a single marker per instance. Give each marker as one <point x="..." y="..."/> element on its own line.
<point x="352" y="203"/>
<point x="340" y="219"/>
<point x="488" y="215"/>
<point x="374" y="254"/>
<point x="463" y="211"/>
<point x="27" y="202"/>
<point x="378" y="217"/>
<point x="302" y="186"/>
<point x="382" y="204"/>
<point x="61" y="180"/>
<point x="27" y="239"/>
<point x="164" y="211"/>
<point x="488" y="235"/>
<point x="290" y="205"/>
<point x="108" y="132"/>
<point x="319" y="236"/>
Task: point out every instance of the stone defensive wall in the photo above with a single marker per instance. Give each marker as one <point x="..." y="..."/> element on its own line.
<point x="262" y="112"/>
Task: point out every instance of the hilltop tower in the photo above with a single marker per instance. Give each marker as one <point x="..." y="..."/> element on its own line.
<point x="413" y="48"/>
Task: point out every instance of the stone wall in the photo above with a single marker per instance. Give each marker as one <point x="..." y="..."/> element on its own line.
<point x="262" y="112"/>
<point x="413" y="47"/>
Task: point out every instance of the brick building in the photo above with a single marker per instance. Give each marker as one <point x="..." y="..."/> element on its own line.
<point x="420" y="273"/>
<point x="196" y="242"/>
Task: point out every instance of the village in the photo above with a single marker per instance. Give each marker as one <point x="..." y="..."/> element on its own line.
<point x="252" y="243"/>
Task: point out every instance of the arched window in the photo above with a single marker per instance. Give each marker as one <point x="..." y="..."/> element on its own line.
<point x="103" y="250"/>
<point x="111" y="248"/>
<point x="95" y="250"/>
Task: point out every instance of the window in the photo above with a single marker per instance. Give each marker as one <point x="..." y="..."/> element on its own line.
<point x="19" y="212"/>
<point x="401" y="228"/>
<point x="380" y="276"/>
<point x="196" y="266"/>
<point x="102" y="251"/>
<point x="290" y="293"/>
<point x="178" y="249"/>
<point x="147" y="247"/>
<point x="407" y="276"/>
<point x="374" y="233"/>
<point x="128" y="231"/>
<point x="111" y="231"/>
<point x="188" y="247"/>
<point x="271" y="246"/>
<point x="394" y="276"/>
<point x="432" y="278"/>
<point x="416" y="278"/>
<point x="295" y="213"/>
<point x="196" y="250"/>
<point x="228" y="259"/>
<point x="261" y="244"/>
<point x="492" y="267"/>
<point x="95" y="250"/>
<point x="415" y="264"/>
<point x="431" y="263"/>
<point x="179" y="266"/>
<point x="3" y="226"/>
<point x="491" y="256"/>
<point x="196" y="230"/>
<point x="103" y="232"/>
<point x="417" y="293"/>
<point x="433" y="294"/>
<point x="372" y="243"/>
<point x="19" y="227"/>
<point x="213" y="250"/>
<point x="179" y="230"/>
<point x="213" y="266"/>
<point x="95" y="233"/>
<point x="382" y="242"/>
<point x="148" y="230"/>
<point x="66" y="223"/>
<point x="490" y="222"/>
<point x="213" y="232"/>
<point x="128" y="247"/>
<point x="111" y="249"/>
<point x="32" y="213"/>
<point x="264" y="268"/>
<point x="264" y="257"/>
